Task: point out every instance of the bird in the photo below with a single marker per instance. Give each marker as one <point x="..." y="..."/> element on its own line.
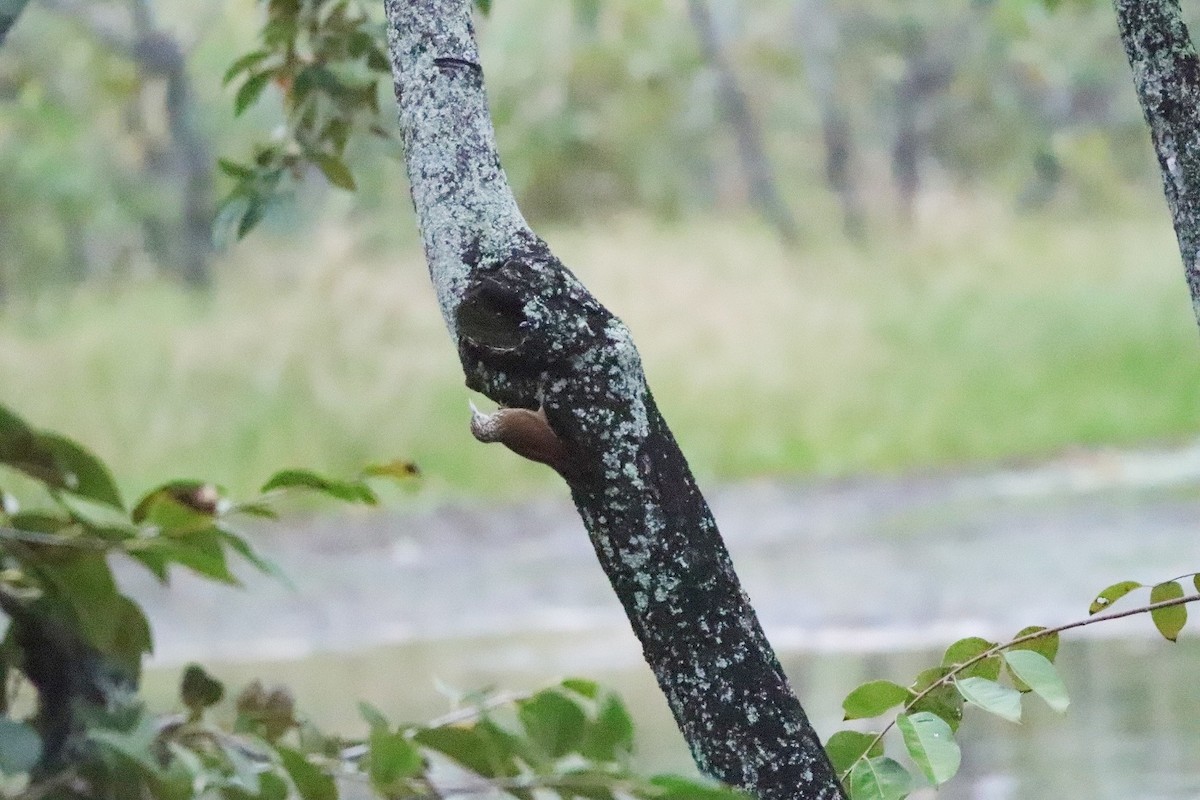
<point x="527" y="433"/>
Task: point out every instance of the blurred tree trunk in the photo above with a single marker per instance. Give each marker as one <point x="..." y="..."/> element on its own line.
<point x="10" y="10"/>
<point x="929" y="67"/>
<point x="178" y="235"/>
<point x="764" y="190"/>
<point x="184" y="160"/>
<point x="817" y="35"/>
<point x="531" y="337"/>
<point x="1166" y="75"/>
<point x="75" y="683"/>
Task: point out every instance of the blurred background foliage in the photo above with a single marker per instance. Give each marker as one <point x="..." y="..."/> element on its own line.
<point x="849" y="236"/>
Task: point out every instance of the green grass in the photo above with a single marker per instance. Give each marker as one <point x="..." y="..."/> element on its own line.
<point x="977" y="337"/>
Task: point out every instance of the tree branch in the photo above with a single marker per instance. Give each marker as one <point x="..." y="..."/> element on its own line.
<point x="73" y="680"/>
<point x="1166" y="75"/>
<point x="995" y="650"/>
<point x="530" y="336"/>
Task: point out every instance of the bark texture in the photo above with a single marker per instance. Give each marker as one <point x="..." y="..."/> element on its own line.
<point x="1166" y="74"/>
<point x="530" y="336"/>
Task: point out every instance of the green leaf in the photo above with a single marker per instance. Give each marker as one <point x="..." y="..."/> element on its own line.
<point x="991" y="697"/>
<point x="398" y="469"/>
<point x="581" y="686"/>
<point x="846" y="747"/>
<point x="484" y="6"/>
<point x="315" y="76"/>
<point x="1169" y="620"/>
<point x="553" y="722"/>
<point x="273" y="787"/>
<point x="20" y="747"/>
<point x="483" y="754"/>
<point x="931" y="745"/>
<point x="350" y="491"/>
<point x="133" y="638"/>
<point x="256" y="209"/>
<point x="183" y="771"/>
<point x="179" y="506"/>
<point x="198" y="690"/>
<point x="136" y="744"/>
<point x="393" y="758"/>
<point x="282" y="28"/>
<point x="235" y="170"/>
<point x="609" y="736"/>
<point x="377" y="61"/>
<point x="964" y="650"/>
<point x="334" y="170"/>
<point x="311" y="782"/>
<point x="201" y="551"/>
<point x="83" y="474"/>
<point x="374" y="717"/>
<point x="874" y="698"/>
<point x="1046" y="646"/>
<point x="250" y="91"/>
<point x="228" y="219"/>
<point x="37" y="522"/>
<point x="19" y="449"/>
<point x="1035" y="671"/>
<point x="879" y="778"/>
<point x="261" y="510"/>
<point x="244" y="63"/>
<point x="1196" y="581"/>
<point x="243" y="549"/>
<point x="56" y="461"/>
<point x="247" y="771"/>
<point x="85" y="582"/>
<point x="673" y="787"/>
<point x="1111" y="595"/>
<point x="944" y="701"/>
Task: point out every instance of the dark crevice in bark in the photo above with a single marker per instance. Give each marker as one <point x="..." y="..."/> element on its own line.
<point x="1166" y="75"/>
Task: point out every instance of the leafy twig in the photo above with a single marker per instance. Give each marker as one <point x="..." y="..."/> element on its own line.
<point x="999" y="648"/>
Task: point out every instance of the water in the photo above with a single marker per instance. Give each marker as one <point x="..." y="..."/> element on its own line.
<point x="853" y="582"/>
<point x="1133" y="729"/>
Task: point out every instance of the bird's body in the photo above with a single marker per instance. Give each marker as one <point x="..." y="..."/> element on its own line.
<point x="527" y="433"/>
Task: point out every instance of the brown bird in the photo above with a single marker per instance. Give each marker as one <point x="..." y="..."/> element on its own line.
<point x="527" y="433"/>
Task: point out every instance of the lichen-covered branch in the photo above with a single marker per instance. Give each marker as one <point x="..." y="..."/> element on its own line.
<point x="1166" y="74"/>
<point x="530" y="336"/>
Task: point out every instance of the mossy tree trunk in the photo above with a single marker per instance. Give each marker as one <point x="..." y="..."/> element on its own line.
<point x="531" y="336"/>
<point x="1166" y="74"/>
